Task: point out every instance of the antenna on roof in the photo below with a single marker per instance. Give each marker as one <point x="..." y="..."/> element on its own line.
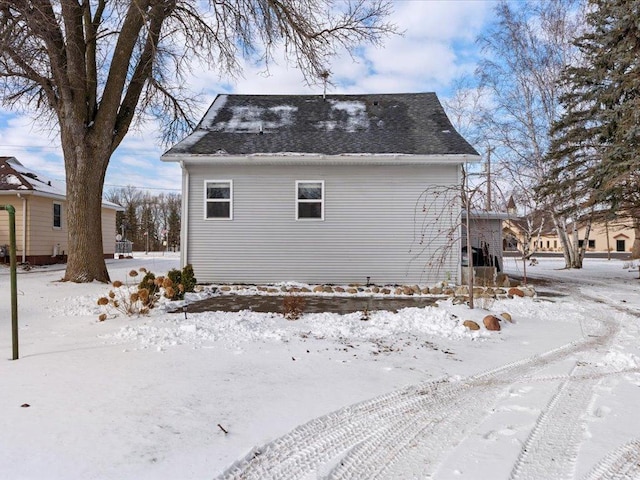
<point x="325" y="74"/>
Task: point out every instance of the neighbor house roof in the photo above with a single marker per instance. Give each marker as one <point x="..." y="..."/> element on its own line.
<point x="16" y="178"/>
<point x="373" y="124"/>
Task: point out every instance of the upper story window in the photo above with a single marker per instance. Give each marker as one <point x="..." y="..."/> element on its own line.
<point x="218" y="199"/>
<point x="57" y="215"/>
<point x="310" y="200"/>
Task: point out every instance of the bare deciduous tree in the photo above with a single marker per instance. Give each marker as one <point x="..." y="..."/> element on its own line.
<point x="527" y="50"/>
<point x="95" y="66"/>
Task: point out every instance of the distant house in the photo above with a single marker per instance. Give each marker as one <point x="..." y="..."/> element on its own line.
<point x="336" y="189"/>
<point x="617" y="236"/>
<point x="41" y="224"/>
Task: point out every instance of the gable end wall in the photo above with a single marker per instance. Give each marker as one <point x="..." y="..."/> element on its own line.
<point x="372" y="226"/>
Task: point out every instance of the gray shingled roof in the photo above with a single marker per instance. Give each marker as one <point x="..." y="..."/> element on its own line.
<point x="410" y="124"/>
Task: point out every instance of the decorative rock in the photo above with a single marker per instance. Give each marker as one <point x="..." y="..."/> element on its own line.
<point x="398" y="291"/>
<point x="528" y="292"/>
<point x="305" y="290"/>
<point x="463" y="290"/>
<point x="460" y="300"/>
<point x="375" y="289"/>
<point x="318" y="289"/>
<point x="416" y="289"/>
<point x="262" y="289"/>
<point x="507" y="317"/>
<point x="338" y="289"/>
<point x="385" y="291"/>
<point x="425" y="291"/>
<point x="272" y="290"/>
<point x="492" y="323"/>
<point x="516" y="292"/>
<point x="471" y="325"/>
<point x="436" y="290"/>
<point x="448" y="291"/>
<point x="352" y="290"/>
<point x="226" y="288"/>
<point x="406" y="290"/>
<point x="502" y="280"/>
<point x="327" y="289"/>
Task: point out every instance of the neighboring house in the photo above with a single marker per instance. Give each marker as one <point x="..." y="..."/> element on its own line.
<point x="41" y="224"/>
<point x="337" y="189"/>
<point x="614" y="237"/>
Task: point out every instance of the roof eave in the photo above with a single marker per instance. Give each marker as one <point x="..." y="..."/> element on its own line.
<point x="319" y="159"/>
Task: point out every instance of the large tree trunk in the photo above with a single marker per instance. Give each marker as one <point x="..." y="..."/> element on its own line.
<point x="635" y="250"/>
<point x="85" y="172"/>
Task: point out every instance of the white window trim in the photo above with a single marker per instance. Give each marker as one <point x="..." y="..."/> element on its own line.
<point x="298" y="201"/>
<point x="53" y="219"/>
<point x="208" y="200"/>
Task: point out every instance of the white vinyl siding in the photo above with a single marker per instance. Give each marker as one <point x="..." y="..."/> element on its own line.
<point x="373" y="226"/>
<point x="218" y="197"/>
<point x="310" y="200"/>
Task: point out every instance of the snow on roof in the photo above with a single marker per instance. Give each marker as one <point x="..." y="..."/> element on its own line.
<point x="368" y="124"/>
<point x="15" y="176"/>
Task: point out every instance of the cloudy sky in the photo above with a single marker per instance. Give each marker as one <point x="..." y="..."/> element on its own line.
<point x="438" y="46"/>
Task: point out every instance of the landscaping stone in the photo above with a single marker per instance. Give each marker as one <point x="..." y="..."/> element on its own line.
<point x="515" y="292"/>
<point x="507" y="317"/>
<point x="471" y="325"/>
<point x="492" y="323"/>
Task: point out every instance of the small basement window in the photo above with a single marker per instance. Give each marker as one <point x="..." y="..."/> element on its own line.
<point x="218" y="199"/>
<point x="310" y="200"/>
<point x="57" y="215"/>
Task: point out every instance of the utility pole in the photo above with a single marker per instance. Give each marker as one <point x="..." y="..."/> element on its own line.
<point x="488" y="201"/>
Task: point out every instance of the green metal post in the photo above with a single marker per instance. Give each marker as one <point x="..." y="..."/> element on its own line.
<point x="14" y="277"/>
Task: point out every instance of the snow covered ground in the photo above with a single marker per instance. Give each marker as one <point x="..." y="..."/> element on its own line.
<point x="406" y="395"/>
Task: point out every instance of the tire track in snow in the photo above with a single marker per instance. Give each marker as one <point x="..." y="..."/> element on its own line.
<point x="553" y="444"/>
<point x="412" y="427"/>
<point x="621" y="464"/>
<point x="552" y="447"/>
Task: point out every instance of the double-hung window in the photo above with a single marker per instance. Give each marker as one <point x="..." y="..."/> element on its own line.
<point x="57" y="215"/>
<point x="310" y="200"/>
<point x="218" y="199"/>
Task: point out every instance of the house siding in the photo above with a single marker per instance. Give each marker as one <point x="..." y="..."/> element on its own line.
<point x="41" y="235"/>
<point x="373" y="218"/>
<point x="108" y="231"/>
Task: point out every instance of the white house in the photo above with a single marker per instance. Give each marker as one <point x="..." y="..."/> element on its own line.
<point x="336" y="189"/>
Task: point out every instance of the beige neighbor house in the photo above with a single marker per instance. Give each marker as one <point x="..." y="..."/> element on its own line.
<point x="41" y="224"/>
<point x="614" y="237"/>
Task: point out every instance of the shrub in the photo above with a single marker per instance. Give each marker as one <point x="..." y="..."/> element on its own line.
<point x="148" y="282"/>
<point x="188" y="280"/>
<point x="293" y="307"/>
<point x="181" y="282"/>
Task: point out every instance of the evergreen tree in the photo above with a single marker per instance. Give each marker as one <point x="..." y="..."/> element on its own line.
<point x="596" y="147"/>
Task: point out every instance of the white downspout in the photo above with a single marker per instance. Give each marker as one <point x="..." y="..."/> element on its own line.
<point x="184" y="216"/>
<point x="24" y="228"/>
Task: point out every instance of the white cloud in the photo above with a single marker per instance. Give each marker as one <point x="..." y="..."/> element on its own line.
<point x="437" y="46"/>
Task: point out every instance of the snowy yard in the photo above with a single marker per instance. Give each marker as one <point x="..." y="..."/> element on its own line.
<point x="164" y="397"/>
